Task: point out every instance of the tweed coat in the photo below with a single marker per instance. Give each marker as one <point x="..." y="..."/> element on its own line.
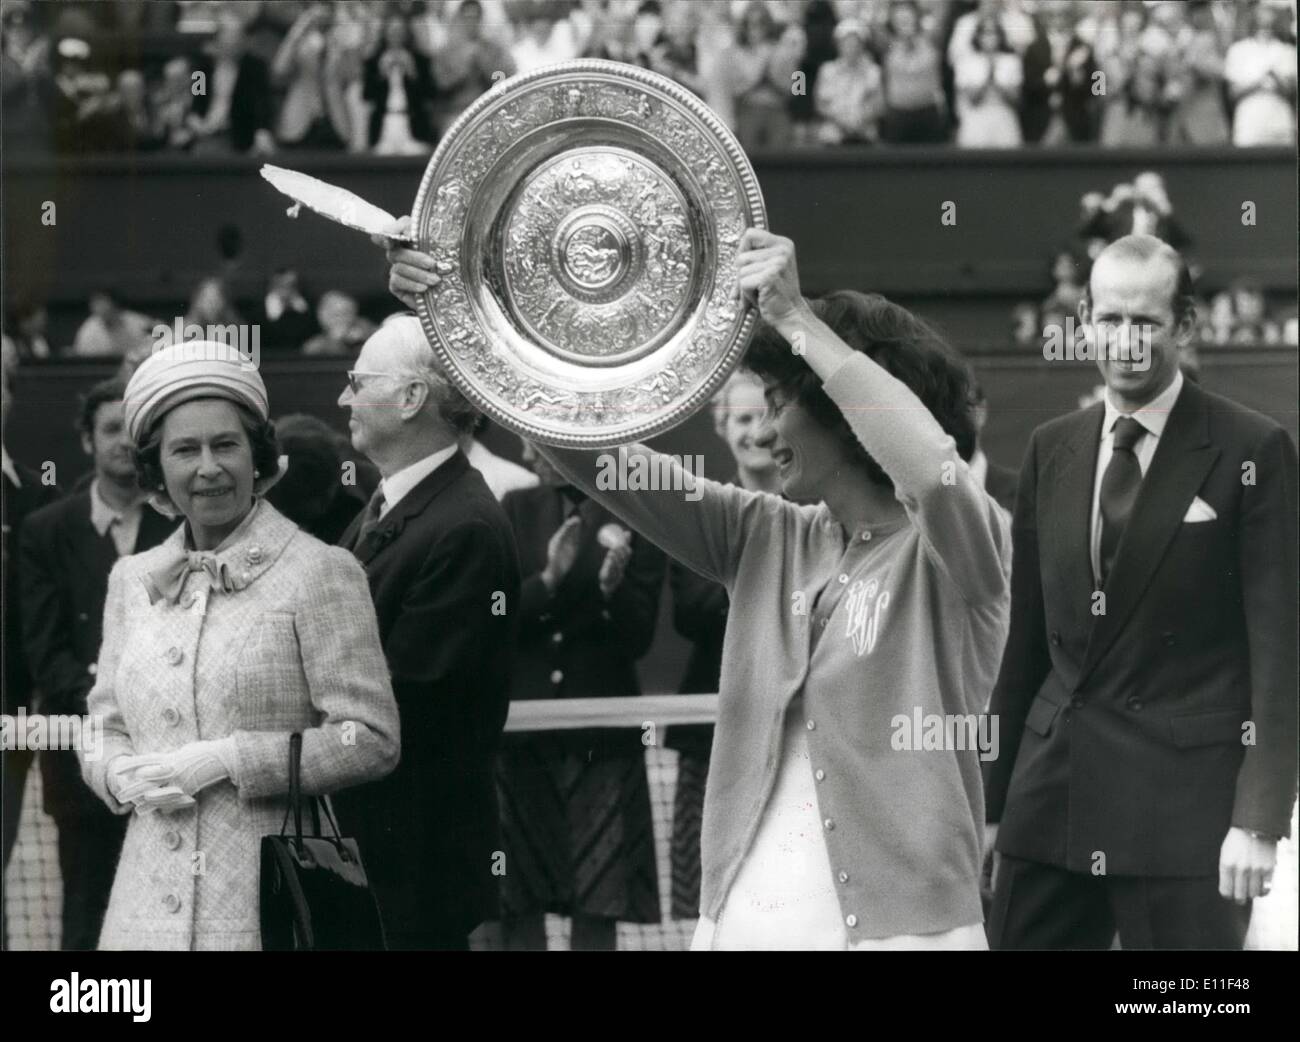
<point x="296" y="649"/>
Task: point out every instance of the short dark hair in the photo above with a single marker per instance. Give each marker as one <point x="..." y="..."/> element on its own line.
<point x="261" y="439"/>
<point x="111" y="390"/>
<point x="904" y="345"/>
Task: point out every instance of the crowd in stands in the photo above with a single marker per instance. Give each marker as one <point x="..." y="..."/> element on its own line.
<point x="389" y="78"/>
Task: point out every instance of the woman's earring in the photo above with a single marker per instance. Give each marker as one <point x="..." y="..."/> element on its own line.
<point x="257" y="473"/>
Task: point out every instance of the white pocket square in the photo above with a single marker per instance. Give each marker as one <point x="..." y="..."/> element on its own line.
<point x="1199" y="511"/>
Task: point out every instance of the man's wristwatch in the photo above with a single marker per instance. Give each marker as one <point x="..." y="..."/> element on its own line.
<point x="1270" y="836"/>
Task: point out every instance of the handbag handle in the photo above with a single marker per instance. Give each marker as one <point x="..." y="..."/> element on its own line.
<point x="295" y="797"/>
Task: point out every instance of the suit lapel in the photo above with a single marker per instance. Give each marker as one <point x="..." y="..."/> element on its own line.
<point x="1072" y="485"/>
<point x="411" y="505"/>
<point x="1182" y="459"/>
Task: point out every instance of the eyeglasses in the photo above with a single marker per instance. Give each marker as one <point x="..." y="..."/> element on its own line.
<point x="355" y="384"/>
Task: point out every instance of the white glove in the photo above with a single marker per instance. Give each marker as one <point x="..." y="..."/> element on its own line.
<point x="128" y="784"/>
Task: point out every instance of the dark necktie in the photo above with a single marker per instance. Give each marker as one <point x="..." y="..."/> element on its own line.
<point x="370" y="518"/>
<point x="1119" y="489"/>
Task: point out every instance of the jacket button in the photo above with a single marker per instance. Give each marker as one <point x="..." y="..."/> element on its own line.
<point x="843" y="578"/>
<point x="172" y="903"/>
<point x="172" y="839"/>
<point x="1076" y="702"/>
<point x="850" y="920"/>
<point x="819" y="774"/>
<point x="175" y="656"/>
<point x="171" y="717"/>
<point x="557" y="675"/>
<point x="1134" y="704"/>
<point x="811" y="725"/>
<point x="1169" y="639"/>
<point x="92" y="669"/>
<point x="829" y="824"/>
<point x="1056" y="638"/>
<point x="843" y="877"/>
<point x="82" y="616"/>
<point x="557" y="637"/>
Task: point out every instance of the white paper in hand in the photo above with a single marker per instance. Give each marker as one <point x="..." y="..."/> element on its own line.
<point x="338" y="204"/>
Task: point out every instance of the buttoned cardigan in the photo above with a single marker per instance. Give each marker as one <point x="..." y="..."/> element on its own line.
<point x="870" y="627"/>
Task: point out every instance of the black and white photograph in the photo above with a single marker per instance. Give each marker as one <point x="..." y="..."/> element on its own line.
<point x="650" y="475"/>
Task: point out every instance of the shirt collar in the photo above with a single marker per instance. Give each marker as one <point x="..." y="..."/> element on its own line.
<point x="7" y="465"/>
<point x="1153" y="416"/>
<point x="101" y="514"/>
<point x="398" y="485"/>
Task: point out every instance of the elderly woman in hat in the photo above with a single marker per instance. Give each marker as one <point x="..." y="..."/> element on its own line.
<point x="218" y="644"/>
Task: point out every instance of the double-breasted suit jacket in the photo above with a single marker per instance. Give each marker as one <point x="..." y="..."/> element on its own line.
<point x="1123" y="729"/>
<point x="295" y="649"/>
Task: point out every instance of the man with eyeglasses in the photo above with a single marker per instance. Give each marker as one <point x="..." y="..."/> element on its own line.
<point x="444" y="575"/>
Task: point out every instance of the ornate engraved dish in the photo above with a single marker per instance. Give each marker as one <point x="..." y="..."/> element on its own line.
<point x="586" y="217"/>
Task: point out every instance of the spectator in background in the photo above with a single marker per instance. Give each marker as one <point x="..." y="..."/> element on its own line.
<point x="550" y="32"/>
<point x="398" y="84"/>
<point x="210" y="307"/>
<point x="25" y="81"/>
<point x="674" y="53"/>
<point x="234" y="111"/>
<point x="131" y="126"/>
<point x="1196" y="83"/>
<point x="1017" y="27"/>
<point x="287" y="321"/>
<point x="68" y="549"/>
<point x="575" y="805"/>
<point x="22" y="491"/>
<point x="913" y="80"/>
<point x="25" y="330"/>
<point x="174" y="119"/>
<point x="82" y="97"/>
<point x="467" y="65"/>
<point x="343" y="330"/>
<point x="306" y="118"/>
<point x="501" y="475"/>
<point x="849" y="91"/>
<point x="700" y="608"/>
<point x="111" y="330"/>
<point x="1057" y="101"/>
<point x="1067" y="288"/>
<point x="819" y="48"/>
<point x="755" y="78"/>
<point x="313" y="493"/>
<point x="987" y="80"/>
<point x="1134" y="113"/>
<point x="1261" y="74"/>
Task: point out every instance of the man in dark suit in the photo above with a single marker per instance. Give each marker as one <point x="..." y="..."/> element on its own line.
<point x="1057" y="103"/>
<point x="24" y="491"/>
<point x="1147" y="697"/>
<point x="67" y="549"/>
<point x="444" y="575"/>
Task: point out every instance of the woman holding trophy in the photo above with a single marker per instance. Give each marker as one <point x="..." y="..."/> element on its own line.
<point x="829" y="823"/>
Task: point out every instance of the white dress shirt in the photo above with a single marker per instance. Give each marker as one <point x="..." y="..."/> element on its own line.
<point x="7" y="465"/>
<point x="979" y="467"/>
<point x="1153" y="416"/>
<point x="122" y="525"/>
<point x="399" y="484"/>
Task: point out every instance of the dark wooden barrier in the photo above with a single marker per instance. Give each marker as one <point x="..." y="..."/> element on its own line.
<point x="152" y="225"/>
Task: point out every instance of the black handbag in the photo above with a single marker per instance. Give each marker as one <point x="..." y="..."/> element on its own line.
<point x="314" y="895"/>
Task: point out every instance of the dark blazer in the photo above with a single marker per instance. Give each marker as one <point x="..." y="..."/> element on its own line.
<point x="420" y="89"/>
<point x="574" y="643"/>
<point x="15" y="505"/>
<point x="1000" y="482"/>
<point x="250" y="102"/>
<point x="428" y="831"/>
<point x="65" y="566"/>
<point x="1072" y="94"/>
<point x="700" y="608"/>
<point x="1123" y="732"/>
